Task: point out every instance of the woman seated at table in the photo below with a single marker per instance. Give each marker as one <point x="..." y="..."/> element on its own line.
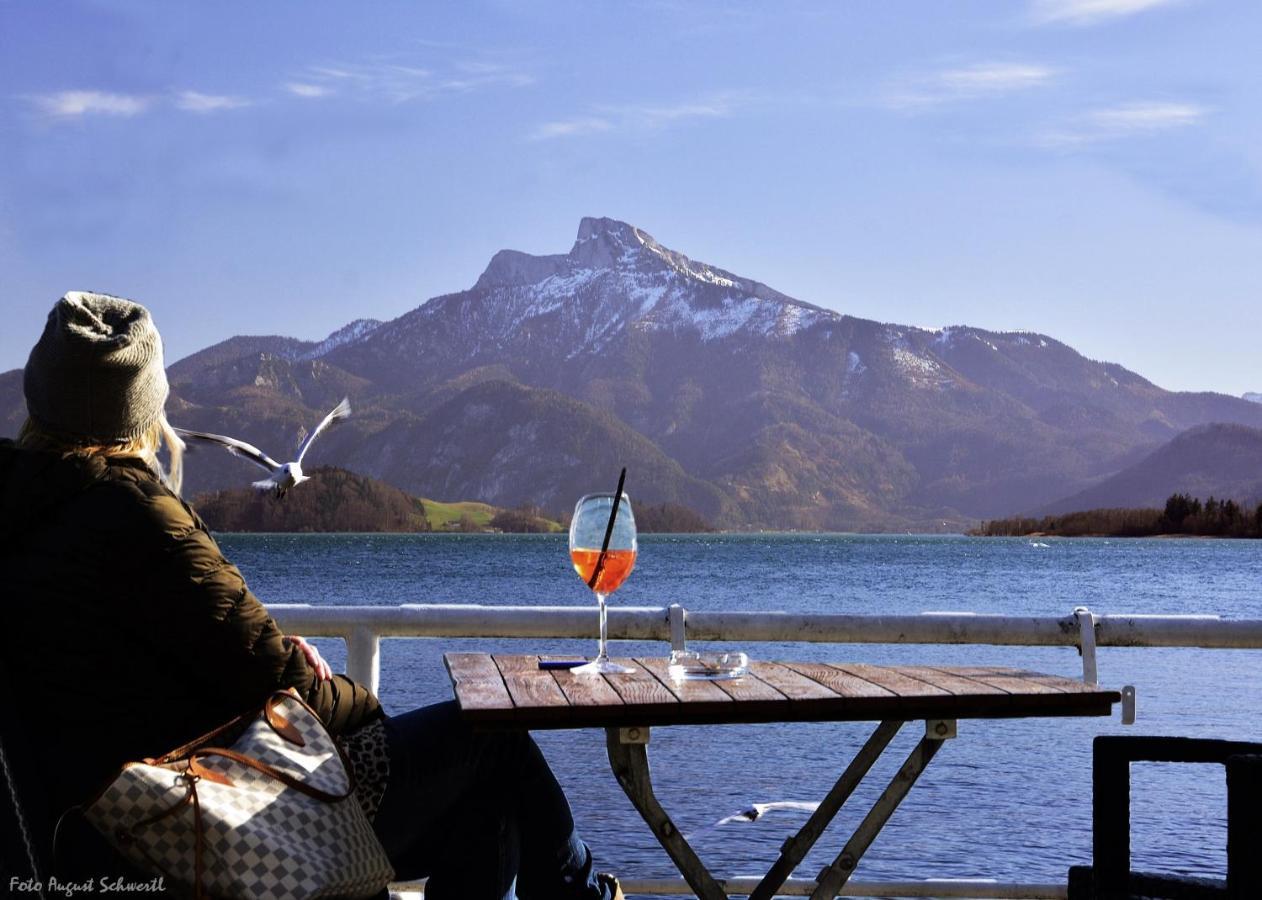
<point x="129" y="634"/>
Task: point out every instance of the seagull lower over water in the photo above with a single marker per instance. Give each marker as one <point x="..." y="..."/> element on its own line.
<point x="756" y="811"/>
<point x="281" y="477"/>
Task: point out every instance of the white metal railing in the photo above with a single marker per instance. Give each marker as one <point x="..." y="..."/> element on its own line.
<point x="362" y="627"/>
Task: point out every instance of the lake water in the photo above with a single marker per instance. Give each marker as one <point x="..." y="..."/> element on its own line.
<point x="1007" y="799"/>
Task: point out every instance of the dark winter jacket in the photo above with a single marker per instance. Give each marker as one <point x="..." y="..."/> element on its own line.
<point x="125" y="632"/>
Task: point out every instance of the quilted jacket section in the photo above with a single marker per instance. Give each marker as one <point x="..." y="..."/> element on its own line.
<point x="127" y="631"/>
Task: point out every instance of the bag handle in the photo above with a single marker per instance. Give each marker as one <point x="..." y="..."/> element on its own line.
<point x="279" y="723"/>
<point x="259" y="766"/>
<point x="275" y="719"/>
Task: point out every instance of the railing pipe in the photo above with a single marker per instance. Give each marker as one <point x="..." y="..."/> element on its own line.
<point x="653" y="623"/>
<point x="470" y="620"/>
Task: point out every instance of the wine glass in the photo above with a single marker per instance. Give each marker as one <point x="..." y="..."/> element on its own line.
<point x="602" y="572"/>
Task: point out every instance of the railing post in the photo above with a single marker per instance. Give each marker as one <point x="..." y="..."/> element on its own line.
<point x="678" y="618"/>
<point x="363" y="657"/>
<point x="1086" y="643"/>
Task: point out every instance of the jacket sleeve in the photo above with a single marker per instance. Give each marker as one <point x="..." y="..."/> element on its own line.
<point x="197" y="602"/>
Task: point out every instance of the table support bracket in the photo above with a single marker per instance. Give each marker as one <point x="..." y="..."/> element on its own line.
<point x="834" y="877"/>
<point x="795" y="848"/>
<point x="630" y="763"/>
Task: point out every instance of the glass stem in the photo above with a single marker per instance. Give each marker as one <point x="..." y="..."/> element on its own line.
<point x="604" y="625"/>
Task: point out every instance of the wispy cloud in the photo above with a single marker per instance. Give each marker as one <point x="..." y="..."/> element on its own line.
<point x="640" y="117"/>
<point x="197" y="102"/>
<point x="1125" y="120"/>
<point x="71" y="105"/>
<point x="392" y="81"/>
<point x="1143" y="117"/>
<point x="976" y="82"/>
<point x="309" y="91"/>
<point x="571" y="128"/>
<point x="1089" y="12"/>
<point x="75" y="104"/>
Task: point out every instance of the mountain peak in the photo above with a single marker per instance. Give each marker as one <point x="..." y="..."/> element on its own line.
<point x="592" y="227"/>
<point x="603" y="243"/>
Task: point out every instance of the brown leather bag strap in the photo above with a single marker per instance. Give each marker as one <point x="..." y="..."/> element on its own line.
<point x="183" y="751"/>
<point x="279" y="723"/>
<point x="199" y="839"/>
<point x="272" y="772"/>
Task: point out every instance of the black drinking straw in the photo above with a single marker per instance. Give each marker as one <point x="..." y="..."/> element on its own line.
<point x="604" y="548"/>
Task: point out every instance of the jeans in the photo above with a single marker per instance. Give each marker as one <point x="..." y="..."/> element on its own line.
<point x="479" y="813"/>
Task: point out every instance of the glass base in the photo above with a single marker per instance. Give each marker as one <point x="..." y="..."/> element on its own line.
<point x="602" y="666"/>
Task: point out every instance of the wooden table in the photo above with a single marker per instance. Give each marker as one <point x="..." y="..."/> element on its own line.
<point x="503" y="691"/>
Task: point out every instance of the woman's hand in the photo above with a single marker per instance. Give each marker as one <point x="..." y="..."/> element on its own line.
<point x="314" y="659"/>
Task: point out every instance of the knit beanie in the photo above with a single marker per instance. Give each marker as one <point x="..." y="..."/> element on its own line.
<point x="96" y="373"/>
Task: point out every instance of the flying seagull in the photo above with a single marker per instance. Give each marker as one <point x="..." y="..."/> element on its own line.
<point x="280" y="477"/>
<point x="756" y="811"/>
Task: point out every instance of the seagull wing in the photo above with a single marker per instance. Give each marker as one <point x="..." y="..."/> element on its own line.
<point x="756" y="811"/>
<point x="341" y="411"/>
<point x="235" y="447"/>
<point x="802" y="805"/>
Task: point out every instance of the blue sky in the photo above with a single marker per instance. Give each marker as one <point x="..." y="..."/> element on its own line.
<point x="1089" y="169"/>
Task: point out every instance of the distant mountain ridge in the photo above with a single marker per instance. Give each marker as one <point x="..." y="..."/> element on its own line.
<point x="719" y="392"/>
<point x="1222" y="461"/>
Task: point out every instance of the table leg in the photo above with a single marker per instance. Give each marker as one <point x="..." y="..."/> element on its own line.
<point x="628" y="756"/>
<point x="795" y="848"/>
<point x="833" y="878"/>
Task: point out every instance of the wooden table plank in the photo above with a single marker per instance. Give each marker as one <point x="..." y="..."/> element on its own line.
<point x="951" y="680"/>
<point x="772" y="692"/>
<point x="1068" y="685"/>
<point x="749" y="688"/>
<point x="794" y="685"/>
<point x="528" y="685"/>
<point x="892" y="679"/>
<point x="640" y="688"/>
<point x="685" y="691"/>
<point x="841" y="683"/>
<point x="515" y="662"/>
<point x="1013" y="681"/>
<point x="1060" y="682"/>
<point x="586" y="690"/>
<point x="1018" y="685"/>
<point x="477" y="682"/>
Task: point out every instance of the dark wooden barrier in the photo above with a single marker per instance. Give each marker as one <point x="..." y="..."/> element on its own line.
<point x="1110" y="876"/>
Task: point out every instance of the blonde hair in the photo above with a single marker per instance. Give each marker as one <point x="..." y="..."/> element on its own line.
<point x="144" y="447"/>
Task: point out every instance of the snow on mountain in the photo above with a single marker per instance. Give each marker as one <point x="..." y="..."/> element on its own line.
<point x="616" y="278"/>
<point x="1253" y="397"/>
<point x="348" y="334"/>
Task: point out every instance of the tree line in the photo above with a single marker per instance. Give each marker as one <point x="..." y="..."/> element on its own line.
<point x="333" y="500"/>
<point x="1183" y="514"/>
<point x="338" y="500"/>
<point x="649" y="518"/>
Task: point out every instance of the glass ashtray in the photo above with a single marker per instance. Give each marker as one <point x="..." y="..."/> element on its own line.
<point x="705" y="665"/>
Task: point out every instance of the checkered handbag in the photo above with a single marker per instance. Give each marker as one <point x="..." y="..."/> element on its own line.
<point x="271" y="816"/>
